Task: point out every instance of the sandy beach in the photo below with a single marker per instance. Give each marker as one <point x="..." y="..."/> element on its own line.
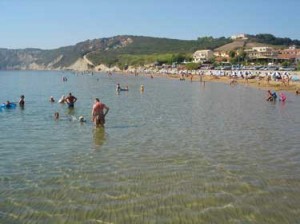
<point x="257" y="82"/>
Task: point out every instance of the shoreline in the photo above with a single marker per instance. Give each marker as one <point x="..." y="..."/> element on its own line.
<point x="258" y="83"/>
<point x="262" y="83"/>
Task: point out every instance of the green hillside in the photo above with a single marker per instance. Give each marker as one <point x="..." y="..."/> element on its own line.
<point x="127" y="50"/>
<point x="145" y="50"/>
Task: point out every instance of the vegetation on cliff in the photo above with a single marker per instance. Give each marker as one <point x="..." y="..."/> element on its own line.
<point x="125" y="51"/>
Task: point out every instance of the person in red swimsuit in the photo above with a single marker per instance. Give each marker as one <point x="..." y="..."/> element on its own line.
<point x="99" y="112"/>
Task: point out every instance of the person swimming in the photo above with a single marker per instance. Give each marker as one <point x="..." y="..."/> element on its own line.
<point x="52" y="100"/>
<point x="81" y="119"/>
<point x="56" y="115"/>
<point x="8" y="104"/>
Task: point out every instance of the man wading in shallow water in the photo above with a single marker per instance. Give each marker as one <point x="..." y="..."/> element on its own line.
<point x="98" y="113"/>
<point x="71" y="100"/>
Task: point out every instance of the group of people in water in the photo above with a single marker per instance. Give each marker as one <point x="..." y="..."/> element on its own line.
<point x="273" y="96"/>
<point x="9" y="104"/>
<point x="69" y="100"/>
<point x="119" y="89"/>
<point x="99" y="109"/>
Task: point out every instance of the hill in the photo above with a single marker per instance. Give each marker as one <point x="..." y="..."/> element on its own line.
<point x="118" y="50"/>
<point x="124" y="51"/>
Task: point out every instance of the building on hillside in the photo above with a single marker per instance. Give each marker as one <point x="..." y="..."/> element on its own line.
<point x="202" y="55"/>
<point x="261" y="53"/>
<point x="291" y="54"/>
<point x="241" y="36"/>
<point x="222" y="54"/>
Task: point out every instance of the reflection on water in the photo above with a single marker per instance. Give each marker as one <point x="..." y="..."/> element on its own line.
<point x="98" y="137"/>
<point x="178" y="153"/>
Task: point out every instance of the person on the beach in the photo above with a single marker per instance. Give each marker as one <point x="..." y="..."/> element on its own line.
<point x="99" y="112"/>
<point x="297" y="92"/>
<point x="21" y="101"/>
<point x="71" y="100"/>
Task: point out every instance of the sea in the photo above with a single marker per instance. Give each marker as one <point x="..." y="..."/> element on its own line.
<point x="179" y="152"/>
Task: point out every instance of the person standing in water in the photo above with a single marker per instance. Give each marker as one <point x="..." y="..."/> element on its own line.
<point x="21" y="101"/>
<point x="142" y="88"/>
<point x="99" y="112"/>
<point x="71" y="100"/>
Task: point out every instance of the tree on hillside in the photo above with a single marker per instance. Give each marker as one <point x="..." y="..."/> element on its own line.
<point x="271" y="39"/>
<point x="192" y="66"/>
<point x="232" y="54"/>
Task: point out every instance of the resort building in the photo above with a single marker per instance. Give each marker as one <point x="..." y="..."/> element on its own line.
<point x="202" y="55"/>
<point x="222" y="54"/>
<point x="291" y="54"/>
<point x="261" y="53"/>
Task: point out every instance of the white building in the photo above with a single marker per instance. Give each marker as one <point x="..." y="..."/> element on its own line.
<point x="262" y="49"/>
<point x="241" y="36"/>
<point x="261" y="52"/>
<point x="203" y="55"/>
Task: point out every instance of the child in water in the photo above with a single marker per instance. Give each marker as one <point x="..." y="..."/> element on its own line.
<point x="81" y="119"/>
<point x="282" y="97"/>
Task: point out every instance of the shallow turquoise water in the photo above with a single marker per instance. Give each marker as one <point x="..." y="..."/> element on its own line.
<point x="177" y="153"/>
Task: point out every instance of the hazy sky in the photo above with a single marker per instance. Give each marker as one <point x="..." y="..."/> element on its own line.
<point x="55" y="23"/>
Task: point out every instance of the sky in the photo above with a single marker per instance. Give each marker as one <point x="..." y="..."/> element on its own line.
<point x="55" y="23"/>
